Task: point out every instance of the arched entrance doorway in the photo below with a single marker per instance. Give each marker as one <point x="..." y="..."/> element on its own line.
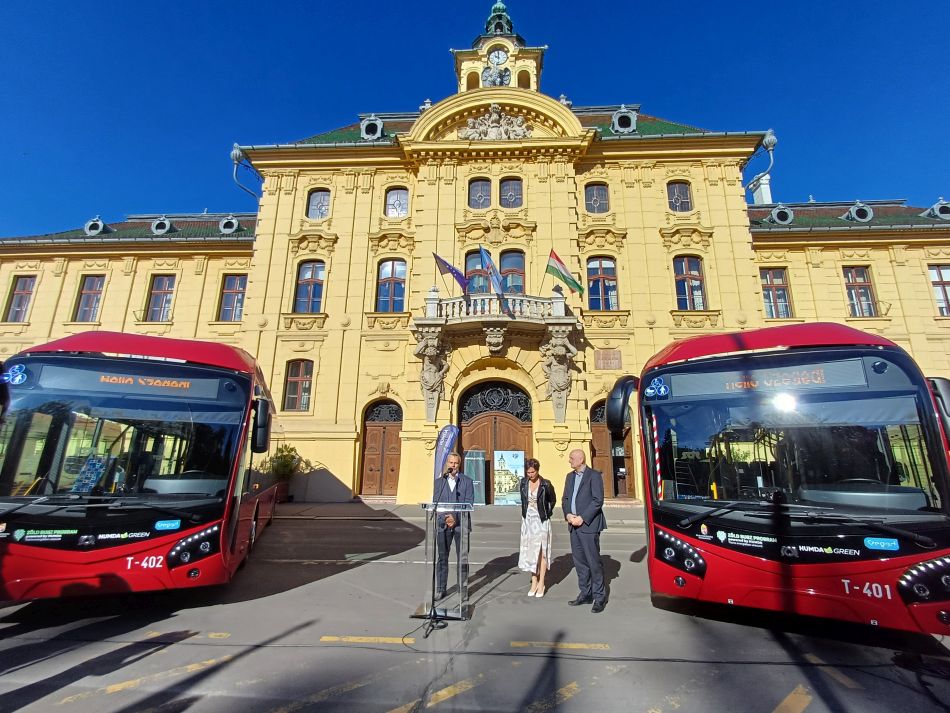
<point x="494" y="416"/>
<point x="609" y="456"/>
<point x="382" y="446"/>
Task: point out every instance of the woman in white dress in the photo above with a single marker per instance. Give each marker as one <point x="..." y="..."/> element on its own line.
<point x="537" y="504"/>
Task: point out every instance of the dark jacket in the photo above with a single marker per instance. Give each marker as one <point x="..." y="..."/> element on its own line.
<point x="547" y="498"/>
<point x="464" y="493"/>
<point x="590" y="500"/>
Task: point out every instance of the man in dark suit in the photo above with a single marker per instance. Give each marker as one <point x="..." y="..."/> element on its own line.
<point x="583" y="502"/>
<point x="452" y="487"/>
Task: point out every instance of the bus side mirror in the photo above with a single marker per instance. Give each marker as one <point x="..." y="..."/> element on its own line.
<point x="260" y="435"/>
<point x="940" y="387"/>
<point x="618" y="403"/>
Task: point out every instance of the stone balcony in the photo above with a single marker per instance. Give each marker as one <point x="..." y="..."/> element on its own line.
<point x="457" y="317"/>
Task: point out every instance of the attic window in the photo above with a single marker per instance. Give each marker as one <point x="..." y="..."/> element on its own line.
<point x="229" y="225"/>
<point x="162" y="225"/>
<point x="96" y="227"/>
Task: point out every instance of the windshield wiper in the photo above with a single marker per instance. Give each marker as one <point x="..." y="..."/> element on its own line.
<point x="183" y="514"/>
<point x="811" y="516"/>
<point x="725" y="508"/>
<point x="38" y="501"/>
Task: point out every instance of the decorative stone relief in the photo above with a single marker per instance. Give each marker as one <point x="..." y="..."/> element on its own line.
<point x="436" y="357"/>
<point x="495" y="338"/>
<point x="557" y="362"/>
<point x="686" y="236"/>
<point x="314" y="243"/>
<point x="128" y="266"/>
<point x="771" y="256"/>
<point x="601" y="237"/>
<point x="606" y="320"/>
<point x="495" y="126"/>
<point x="59" y="266"/>
<point x="937" y="252"/>
<point x="200" y="263"/>
<point x="29" y="265"/>
<point x="815" y="257"/>
<point x="304" y="323"/>
<point x="496" y="228"/>
<point x="899" y="254"/>
<point x="392" y="241"/>
<point x="695" y="319"/>
<point x="238" y="263"/>
<point x="855" y="254"/>
<point x="95" y="264"/>
<point x="713" y="173"/>
<point x="171" y="263"/>
<point x="388" y="320"/>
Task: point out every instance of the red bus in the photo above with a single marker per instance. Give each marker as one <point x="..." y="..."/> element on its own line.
<point x="126" y="465"/>
<point x="800" y="469"/>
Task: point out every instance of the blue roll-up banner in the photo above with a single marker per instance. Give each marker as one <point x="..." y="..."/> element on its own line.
<point x="443" y="446"/>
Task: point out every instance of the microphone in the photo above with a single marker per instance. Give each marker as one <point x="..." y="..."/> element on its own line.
<point x="448" y="472"/>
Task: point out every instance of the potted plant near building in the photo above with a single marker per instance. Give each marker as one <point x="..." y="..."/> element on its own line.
<point x="283" y="465"/>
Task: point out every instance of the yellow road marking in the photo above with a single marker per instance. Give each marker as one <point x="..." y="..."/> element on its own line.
<point x="795" y="702"/>
<point x="136" y="682"/>
<point x="328" y="693"/>
<point x="368" y="639"/>
<point x="448" y="692"/>
<point x="552" y="702"/>
<point x="556" y="645"/>
<point x="834" y="673"/>
<point x="219" y="635"/>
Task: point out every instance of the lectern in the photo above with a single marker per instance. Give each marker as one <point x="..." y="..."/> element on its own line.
<point x="454" y="605"/>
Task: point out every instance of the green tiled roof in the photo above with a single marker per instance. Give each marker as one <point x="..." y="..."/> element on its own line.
<point x="205" y="230"/>
<point x="827" y="216"/>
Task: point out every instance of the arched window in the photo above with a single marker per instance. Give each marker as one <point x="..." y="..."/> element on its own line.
<point x="524" y="79"/>
<point x="308" y="297"/>
<point x="512" y="272"/>
<point x="596" y="198"/>
<point x="472" y="81"/>
<point x="510" y="195"/>
<point x="318" y="204"/>
<point x="602" y="284"/>
<point x="679" y="196"/>
<point x="391" y="286"/>
<point x="690" y="288"/>
<point x="476" y="274"/>
<point x="298" y="385"/>
<point x="479" y="193"/>
<point x="397" y="202"/>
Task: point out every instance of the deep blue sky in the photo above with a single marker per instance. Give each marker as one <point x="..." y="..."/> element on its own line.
<point x="114" y="107"/>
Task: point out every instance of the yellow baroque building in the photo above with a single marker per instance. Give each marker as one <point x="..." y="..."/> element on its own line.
<point x="370" y="343"/>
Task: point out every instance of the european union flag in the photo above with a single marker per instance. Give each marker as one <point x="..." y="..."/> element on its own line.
<point x="447" y="268"/>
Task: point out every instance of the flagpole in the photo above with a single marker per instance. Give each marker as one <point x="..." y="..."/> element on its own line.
<point x="544" y="276"/>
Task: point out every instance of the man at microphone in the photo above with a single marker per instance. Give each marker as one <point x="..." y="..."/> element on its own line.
<point x="453" y="487"/>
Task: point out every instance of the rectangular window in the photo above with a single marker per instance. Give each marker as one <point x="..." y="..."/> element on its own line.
<point x="940" y="279"/>
<point x="160" y="299"/>
<point x="298" y="385"/>
<point x="232" y="298"/>
<point x="90" y="295"/>
<point x="861" y="302"/>
<point x="775" y="293"/>
<point x="20" y="297"/>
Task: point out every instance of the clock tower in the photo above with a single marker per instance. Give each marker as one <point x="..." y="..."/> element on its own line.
<point x="499" y="57"/>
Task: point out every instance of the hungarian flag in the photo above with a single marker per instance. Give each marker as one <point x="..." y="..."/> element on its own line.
<point x="447" y="268"/>
<point x="560" y="271"/>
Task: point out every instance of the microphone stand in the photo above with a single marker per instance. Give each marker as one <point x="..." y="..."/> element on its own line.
<point x="435" y="619"/>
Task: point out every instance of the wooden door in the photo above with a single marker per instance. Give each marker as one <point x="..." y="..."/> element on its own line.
<point x="602" y="447"/>
<point x="496" y="431"/>
<point x="382" y="449"/>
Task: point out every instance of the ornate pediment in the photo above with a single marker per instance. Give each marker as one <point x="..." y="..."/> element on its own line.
<point x="496" y="228"/>
<point x="686" y="232"/>
<point x="598" y="237"/>
<point x="303" y="322"/>
<point x="388" y="320"/>
<point x="605" y="319"/>
<point x="395" y="241"/>
<point x="496" y="125"/>
<point x="315" y="243"/>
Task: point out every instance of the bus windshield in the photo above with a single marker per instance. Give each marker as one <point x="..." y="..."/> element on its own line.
<point x="100" y="426"/>
<point x="844" y="434"/>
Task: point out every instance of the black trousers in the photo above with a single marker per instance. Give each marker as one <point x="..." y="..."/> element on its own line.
<point x="444" y="539"/>
<point x="585" y="549"/>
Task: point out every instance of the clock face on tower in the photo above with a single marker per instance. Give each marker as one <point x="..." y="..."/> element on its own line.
<point x="498" y="56"/>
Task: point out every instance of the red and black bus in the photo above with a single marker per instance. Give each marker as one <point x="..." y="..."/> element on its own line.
<point x="800" y="469"/>
<point x="126" y="465"/>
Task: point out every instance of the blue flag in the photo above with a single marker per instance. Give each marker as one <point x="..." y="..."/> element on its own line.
<point x="443" y="446"/>
<point x="493" y="274"/>
<point x="447" y="268"/>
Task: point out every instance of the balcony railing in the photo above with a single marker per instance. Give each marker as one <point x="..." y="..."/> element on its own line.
<point x="488" y="306"/>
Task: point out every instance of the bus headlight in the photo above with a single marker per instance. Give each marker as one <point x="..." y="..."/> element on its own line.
<point x="195" y="547"/>
<point x="926" y="582"/>
<point x="679" y="554"/>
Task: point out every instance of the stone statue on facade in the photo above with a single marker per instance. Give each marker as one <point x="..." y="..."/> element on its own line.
<point x="436" y="358"/>
<point x="495" y="126"/>
<point x="557" y="356"/>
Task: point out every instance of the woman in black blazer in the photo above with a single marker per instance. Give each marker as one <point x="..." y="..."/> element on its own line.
<point x="537" y="504"/>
